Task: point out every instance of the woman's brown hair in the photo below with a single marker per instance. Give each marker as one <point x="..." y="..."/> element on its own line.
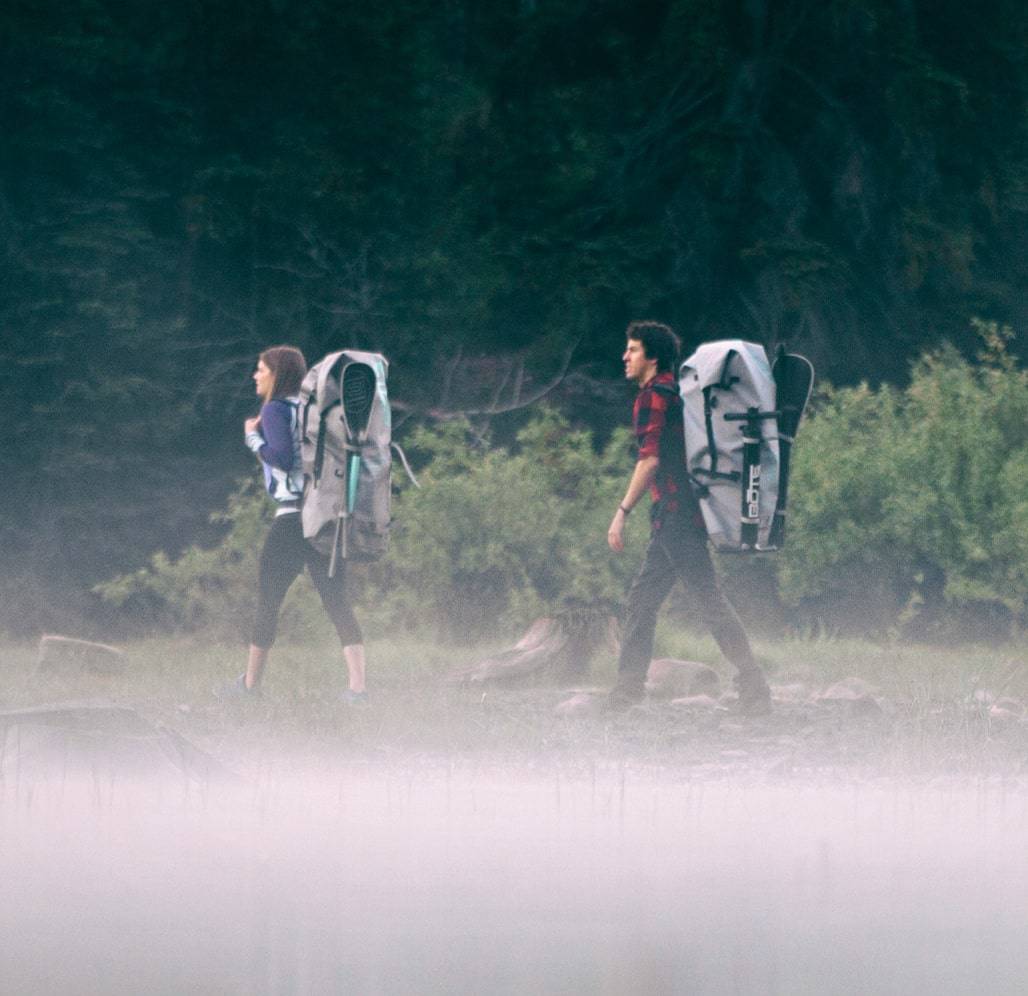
<point x="288" y="367"/>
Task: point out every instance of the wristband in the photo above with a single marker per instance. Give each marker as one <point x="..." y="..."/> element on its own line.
<point x="625" y="510"/>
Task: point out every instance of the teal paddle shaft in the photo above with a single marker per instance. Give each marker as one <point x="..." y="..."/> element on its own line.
<point x="353" y="476"/>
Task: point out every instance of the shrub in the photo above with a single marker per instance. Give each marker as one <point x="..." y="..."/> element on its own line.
<point x="907" y="505"/>
<point x="908" y="514"/>
<point x="491" y="538"/>
<point x="213" y="588"/>
<point x="495" y="536"/>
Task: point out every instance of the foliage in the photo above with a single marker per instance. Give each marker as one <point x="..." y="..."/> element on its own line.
<point x="911" y="501"/>
<point x="492" y="536"/>
<point x="498" y="535"/>
<point x="908" y="514"/>
<point x="182" y="186"/>
<point x="212" y="589"/>
<point x="202" y="587"/>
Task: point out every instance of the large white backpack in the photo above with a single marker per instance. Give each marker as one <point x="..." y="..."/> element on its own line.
<point x="740" y="420"/>
<point x="346" y="432"/>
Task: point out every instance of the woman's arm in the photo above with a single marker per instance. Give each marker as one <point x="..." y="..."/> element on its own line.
<point x="272" y="440"/>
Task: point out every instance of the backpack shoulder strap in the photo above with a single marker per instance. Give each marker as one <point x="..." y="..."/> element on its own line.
<point x="699" y="489"/>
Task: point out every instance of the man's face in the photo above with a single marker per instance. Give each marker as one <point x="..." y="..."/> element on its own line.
<point x="637" y="366"/>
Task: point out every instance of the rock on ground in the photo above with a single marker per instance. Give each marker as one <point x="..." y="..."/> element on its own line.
<point x="583" y="703"/>
<point x="703" y="703"/>
<point x="858" y="695"/>
<point x="668" y="678"/>
<point x="849" y="689"/>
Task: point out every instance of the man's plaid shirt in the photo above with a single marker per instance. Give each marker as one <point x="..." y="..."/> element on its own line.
<point x="659" y="432"/>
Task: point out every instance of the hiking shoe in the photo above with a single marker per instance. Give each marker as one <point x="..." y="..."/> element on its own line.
<point x="236" y="691"/>
<point x="754" y="695"/>
<point x="356" y="699"/>
<point x="623" y="696"/>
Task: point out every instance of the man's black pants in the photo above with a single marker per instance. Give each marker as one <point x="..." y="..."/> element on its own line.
<point x="677" y="552"/>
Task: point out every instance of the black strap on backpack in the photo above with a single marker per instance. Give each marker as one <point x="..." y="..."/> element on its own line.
<point x="724" y="383"/>
<point x="319" y="450"/>
<point x="312" y="400"/>
<point x="699" y="489"/>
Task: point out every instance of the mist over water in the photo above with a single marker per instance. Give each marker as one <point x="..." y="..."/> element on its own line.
<point x="456" y="876"/>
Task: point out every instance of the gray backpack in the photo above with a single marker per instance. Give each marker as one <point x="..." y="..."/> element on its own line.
<point x="346" y="430"/>
<point x="741" y="415"/>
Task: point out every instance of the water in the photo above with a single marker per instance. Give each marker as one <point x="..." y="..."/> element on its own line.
<point x="456" y="877"/>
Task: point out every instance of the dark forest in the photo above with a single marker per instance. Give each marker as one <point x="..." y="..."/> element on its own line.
<point x="486" y="193"/>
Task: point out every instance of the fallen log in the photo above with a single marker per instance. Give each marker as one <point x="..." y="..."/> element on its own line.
<point x="60" y="651"/>
<point x="102" y="742"/>
<point x="554" y="648"/>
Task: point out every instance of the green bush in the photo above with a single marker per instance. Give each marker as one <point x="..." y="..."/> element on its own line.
<point x="492" y="537"/>
<point x="213" y="588"/>
<point x="907" y="505"/>
<point x="495" y="536"/>
<point x="908" y="514"/>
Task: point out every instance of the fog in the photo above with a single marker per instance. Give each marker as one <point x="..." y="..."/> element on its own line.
<point x="454" y="875"/>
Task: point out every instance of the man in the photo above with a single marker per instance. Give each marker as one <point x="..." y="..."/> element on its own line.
<point x="678" y="540"/>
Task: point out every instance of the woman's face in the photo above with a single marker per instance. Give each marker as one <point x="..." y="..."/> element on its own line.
<point x="264" y="380"/>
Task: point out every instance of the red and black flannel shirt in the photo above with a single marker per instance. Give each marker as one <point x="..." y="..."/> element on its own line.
<point x="659" y="432"/>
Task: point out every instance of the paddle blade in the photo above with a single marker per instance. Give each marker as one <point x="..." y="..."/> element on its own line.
<point x="794" y="380"/>
<point x="358" y="396"/>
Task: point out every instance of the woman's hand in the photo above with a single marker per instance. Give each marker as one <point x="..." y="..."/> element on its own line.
<point x="252" y="424"/>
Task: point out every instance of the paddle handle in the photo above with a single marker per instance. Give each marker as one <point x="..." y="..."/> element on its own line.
<point x="352" y="479"/>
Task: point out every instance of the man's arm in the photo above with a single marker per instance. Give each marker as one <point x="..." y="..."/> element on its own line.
<point x="642" y="478"/>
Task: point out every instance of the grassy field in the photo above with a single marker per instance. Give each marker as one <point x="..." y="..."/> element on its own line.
<point x="931" y="711"/>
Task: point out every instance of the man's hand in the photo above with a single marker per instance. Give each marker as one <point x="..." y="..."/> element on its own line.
<point x="642" y="478"/>
<point x="252" y="424"/>
<point x="616" y="532"/>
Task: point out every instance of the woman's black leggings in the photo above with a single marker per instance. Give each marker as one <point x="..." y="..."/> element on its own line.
<point x="283" y="558"/>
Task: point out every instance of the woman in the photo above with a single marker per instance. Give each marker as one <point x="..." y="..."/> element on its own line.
<point x="274" y="436"/>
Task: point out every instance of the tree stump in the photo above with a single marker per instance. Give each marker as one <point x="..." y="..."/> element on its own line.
<point x="554" y="648"/>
